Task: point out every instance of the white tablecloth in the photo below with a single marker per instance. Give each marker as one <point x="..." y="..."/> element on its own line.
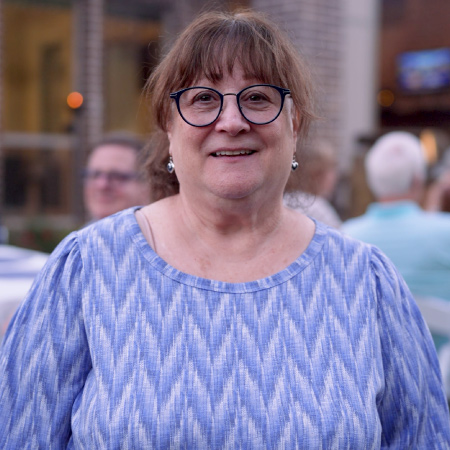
<point x="18" y="268"/>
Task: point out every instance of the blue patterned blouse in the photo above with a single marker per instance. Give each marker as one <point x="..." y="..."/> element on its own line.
<point x="113" y="348"/>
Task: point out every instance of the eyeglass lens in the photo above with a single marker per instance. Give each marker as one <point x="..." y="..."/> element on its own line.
<point x="111" y="177"/>
<point x="258" y="104"/>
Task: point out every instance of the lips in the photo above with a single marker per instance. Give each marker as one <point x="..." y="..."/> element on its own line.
<point x="232" y="152"/>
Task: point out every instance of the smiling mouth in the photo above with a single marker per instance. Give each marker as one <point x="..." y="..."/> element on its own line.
<point x="232" y="153"/>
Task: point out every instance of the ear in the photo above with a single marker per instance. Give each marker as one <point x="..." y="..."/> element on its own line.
<point x="169" y="129"/>
<point x="295" y="119"/>
<point x="296" y="122"/>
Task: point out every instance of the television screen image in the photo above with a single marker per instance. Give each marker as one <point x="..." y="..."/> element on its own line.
<point x="424" y="70"/>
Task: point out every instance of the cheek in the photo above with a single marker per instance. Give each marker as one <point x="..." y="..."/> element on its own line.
<point x="177" y="144"/>
<point x="185" y="140"/>
<point x="178" y="137"/>
<point x="174" y="145"/>
<point x="286" y="138"/>
<point x="183" y="147"/>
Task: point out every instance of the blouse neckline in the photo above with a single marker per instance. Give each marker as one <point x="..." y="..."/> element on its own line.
<point x="169" y="271"/>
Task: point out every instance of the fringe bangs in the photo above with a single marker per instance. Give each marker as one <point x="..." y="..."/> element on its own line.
<point x="219" y="51"/>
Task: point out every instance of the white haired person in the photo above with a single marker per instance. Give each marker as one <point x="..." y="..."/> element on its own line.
<point x="417" y="241"/>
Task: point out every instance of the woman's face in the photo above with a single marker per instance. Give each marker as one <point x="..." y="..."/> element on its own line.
<point x="233" y="158"/>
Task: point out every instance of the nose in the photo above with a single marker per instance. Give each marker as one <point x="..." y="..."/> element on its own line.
<point x="230" y="119"/>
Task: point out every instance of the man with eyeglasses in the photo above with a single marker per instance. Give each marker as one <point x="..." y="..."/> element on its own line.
<point x="112" y="181"/>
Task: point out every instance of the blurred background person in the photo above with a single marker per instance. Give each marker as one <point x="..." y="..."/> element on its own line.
<point x="3" y="233"/>
<point x="438" y="193"/>
<point x="417" y="241"/>
<point x="113" y="180"/>
<point x="319" y="177"/>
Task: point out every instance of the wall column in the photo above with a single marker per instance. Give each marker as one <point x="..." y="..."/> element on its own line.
<point x="361" y="26"/>
<point x="88" y="79"/>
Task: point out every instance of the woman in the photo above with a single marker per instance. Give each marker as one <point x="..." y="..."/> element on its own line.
<point x="216" y="317"/>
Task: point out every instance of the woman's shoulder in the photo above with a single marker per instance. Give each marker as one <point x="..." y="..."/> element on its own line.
<point x="355" y="256"/>
<point x="341" y="243"/>
<point x="111" y="225"/>
<point x="367" y="269"/>
<point x="102" y="237"/>
<point x="113" y="231"/>
<point x="385" y="281"/>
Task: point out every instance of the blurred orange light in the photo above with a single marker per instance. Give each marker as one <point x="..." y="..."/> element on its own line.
<point x="386" y="98"/>
<point x="74" y="100"/>
<point x="428" y="139"/>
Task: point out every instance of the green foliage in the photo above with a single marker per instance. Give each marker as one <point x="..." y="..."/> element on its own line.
<point x="38" y="236"/>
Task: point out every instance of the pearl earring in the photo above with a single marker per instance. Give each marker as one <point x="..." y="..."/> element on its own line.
<point x="170" y="165"/>
<point x="294" y="164"/>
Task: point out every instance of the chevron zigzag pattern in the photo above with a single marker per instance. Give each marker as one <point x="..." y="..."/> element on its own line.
<point x="114" y="348"/>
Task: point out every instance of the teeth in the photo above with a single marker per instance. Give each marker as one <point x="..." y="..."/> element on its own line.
<point x="233" y="153"/>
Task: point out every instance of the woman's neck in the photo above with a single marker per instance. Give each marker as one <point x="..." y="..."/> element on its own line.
<point x="227" y="242"/>
<point x="228" y="217"/>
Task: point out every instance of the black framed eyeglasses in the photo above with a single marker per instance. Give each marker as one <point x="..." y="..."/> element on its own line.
<point x="201" y="106"/>
<point x="115" y="178"/>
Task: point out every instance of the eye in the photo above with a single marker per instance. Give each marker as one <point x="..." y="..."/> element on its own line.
<point x="205" y="97"/>
<point x="119" y="177"/>
<point x="255" y="97"/>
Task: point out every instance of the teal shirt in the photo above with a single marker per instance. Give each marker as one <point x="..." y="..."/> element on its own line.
<point x="417" y="242"/>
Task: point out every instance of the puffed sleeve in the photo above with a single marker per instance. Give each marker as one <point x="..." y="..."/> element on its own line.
<point x="44" y="358"/>
<point x="412" y="408"/>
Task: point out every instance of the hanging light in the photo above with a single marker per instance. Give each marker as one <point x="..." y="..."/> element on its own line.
<point x="74" y="100"/>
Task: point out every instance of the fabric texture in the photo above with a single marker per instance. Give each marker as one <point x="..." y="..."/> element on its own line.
<point x="114" y="348"/>
<point x="417" y="242"/>
<point x="314" y="206"/>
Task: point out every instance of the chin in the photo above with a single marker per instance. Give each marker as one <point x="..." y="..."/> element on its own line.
<point x="235" y="192"/>
<point x="235" y="186"/>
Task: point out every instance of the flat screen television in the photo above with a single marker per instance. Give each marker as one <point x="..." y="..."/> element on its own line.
<point x="424" y="70"/>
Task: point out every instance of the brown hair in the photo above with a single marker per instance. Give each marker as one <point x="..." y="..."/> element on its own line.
<point x="212" y="44"/>
<point x="126" y="140"/>
<point x="123" y="140"/>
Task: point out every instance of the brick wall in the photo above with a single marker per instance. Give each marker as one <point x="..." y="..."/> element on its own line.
<point x="315" y="26"/>
<point x="94" y="69"/>
<point x="88" y="79"/>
